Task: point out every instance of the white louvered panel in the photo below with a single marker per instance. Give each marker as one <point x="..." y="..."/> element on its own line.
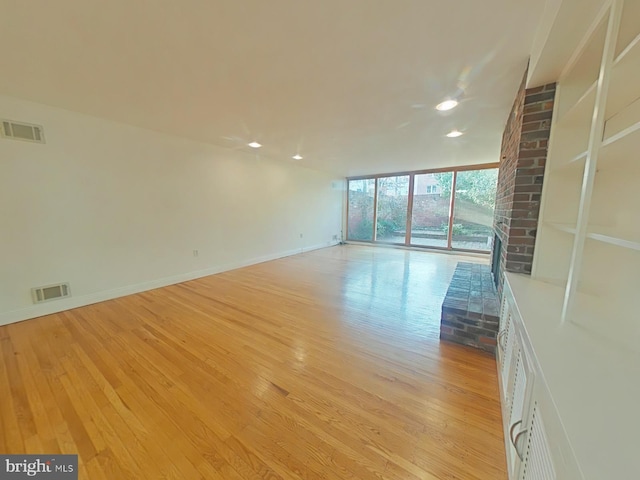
<point x="538" y="464"/>
<point x="519" y="390"/>
<point x="507" y="368"/>
<point x="503" y="310"/>
<point x="515" y="403"/>
<point x="509" y="338"/>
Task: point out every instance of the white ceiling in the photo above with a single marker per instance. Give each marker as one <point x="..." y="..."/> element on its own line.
<point x="348" y="84"/>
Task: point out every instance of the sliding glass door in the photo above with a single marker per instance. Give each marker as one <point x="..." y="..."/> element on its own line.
<point x="430" y="212"/>
<point x="391" y="218"/>
<point x="475" y="200"/>
<point x="361" y="203"/>
<point x="445" y="209"/>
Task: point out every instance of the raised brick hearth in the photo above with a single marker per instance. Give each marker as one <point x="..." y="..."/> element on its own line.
<point x="470" y="308"/>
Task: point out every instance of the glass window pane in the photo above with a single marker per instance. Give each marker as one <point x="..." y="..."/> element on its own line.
<point x="473" y="212"/>
<point x="360" y="221"/>
<point x="430" y="215"/>
<point x="393" y="197"/>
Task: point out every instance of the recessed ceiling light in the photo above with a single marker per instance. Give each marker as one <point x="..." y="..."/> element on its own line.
<point x="297" y="157"/>
<point x="454" y="133"/>
<point x="255" y="145"/>
<point x="447" y="105"/>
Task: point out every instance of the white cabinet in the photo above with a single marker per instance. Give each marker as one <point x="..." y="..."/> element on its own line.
<point x="537" y="461"/>
<point x="516" y="382"/>
<point x="576" y="394"/>
<point x="527" y="407"/>
<point x="546" y="451"/>
<point x="520" y="391"/>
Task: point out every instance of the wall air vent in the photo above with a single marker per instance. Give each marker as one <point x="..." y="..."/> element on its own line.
<point x="50" y="292"/>
<point x="22" y="131"/>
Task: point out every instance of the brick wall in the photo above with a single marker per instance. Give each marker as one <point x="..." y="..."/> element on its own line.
<point x="523" y="157"/>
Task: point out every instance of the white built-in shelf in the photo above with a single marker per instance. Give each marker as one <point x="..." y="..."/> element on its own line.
<point x="622" y="92"/>
<point x="585" y="332"/>
<point x="575" y="162"/>
<point x="628" y="29"/>
<point x="556" y="282"/>
<point x="581" y="157"/>
<point x="626" y="66"/>
<point x="628" y="51"/>
<point x="580" y="111"/>
<point x="622" y="120"/>
<point x="611" y="236"/>
<point x="622" y="145"/>
<point x="585" y="373"/>
<point x="583" y="67"/>
<point x="563" y="227"/>
<point x="600" y="234"/>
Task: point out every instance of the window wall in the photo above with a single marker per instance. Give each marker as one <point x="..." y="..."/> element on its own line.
<point x="439" y="209"/>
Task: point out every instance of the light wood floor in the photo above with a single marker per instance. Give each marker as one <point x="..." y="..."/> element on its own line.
<point x="325" y="365"/>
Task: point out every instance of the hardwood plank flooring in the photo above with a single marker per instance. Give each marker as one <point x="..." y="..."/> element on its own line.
<point x="324" y="365"/>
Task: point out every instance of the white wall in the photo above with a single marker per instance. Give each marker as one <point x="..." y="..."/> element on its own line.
<point x="114" y="209"/>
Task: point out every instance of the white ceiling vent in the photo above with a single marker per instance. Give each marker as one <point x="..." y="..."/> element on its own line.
<point x="50" y="292"/>
<point x="22" y="131"/>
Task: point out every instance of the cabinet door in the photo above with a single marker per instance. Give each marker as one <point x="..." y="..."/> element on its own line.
<point x="520" y="390"/>
<point x="537" y="463"/>
<point x="506" y="347"/>
<point x="504" y="319"/>
<point x="546" y="452"/>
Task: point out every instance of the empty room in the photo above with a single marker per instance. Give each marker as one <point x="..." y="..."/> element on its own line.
<point x="357" y="239"/>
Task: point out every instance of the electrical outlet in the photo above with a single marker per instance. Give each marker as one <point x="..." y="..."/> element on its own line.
<point x="196" y="253"/>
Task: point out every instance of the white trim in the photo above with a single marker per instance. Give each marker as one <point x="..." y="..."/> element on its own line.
<point x="39" y="310"/>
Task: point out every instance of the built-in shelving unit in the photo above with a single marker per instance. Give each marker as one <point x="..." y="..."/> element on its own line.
<point x="589" y="235"/>
<point x="578" y="315"/>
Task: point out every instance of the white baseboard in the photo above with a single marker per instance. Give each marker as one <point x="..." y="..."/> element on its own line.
<point x="34" y="311"/>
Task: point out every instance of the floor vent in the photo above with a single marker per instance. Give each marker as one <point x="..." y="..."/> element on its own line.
<point x="22" y="131"/>
<point x="50" y="292"/>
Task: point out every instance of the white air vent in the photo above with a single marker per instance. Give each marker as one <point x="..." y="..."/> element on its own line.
<point x="50" y="292"/>
<point x="22" y="131"/>
<point x="538" y="464"/>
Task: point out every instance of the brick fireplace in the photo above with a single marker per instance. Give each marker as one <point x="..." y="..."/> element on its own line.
<point x="523" y="158"/>
<point x="470" y="308"/>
